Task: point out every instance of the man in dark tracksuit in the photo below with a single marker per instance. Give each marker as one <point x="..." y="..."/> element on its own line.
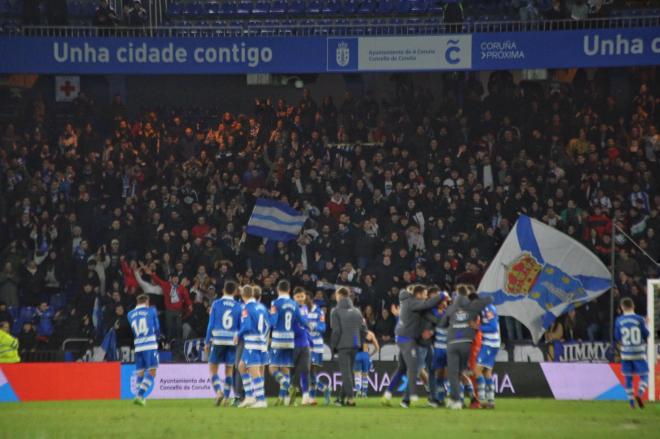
<point x="348" y="328"/>
<point x="408" y="330"/>
<point x="462" y="322"/>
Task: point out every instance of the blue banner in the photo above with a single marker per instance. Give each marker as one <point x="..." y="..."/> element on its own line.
<point x="481" y="51"/>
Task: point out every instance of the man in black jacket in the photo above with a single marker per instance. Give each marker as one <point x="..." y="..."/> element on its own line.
<point x="348" y="328"/>
<point x="462" y="322"/>
<point x="408" y="331"/>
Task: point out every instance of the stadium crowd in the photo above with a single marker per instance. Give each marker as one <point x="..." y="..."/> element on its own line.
<point x="410" y="188"/>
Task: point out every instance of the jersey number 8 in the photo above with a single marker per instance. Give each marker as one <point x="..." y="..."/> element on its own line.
<point x="288" y="317"/>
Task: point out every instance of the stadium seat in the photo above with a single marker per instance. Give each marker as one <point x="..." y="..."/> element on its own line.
<point x="228" y="9"/>
<point x="385" y="7"/>
<point x="367" y="7"/>
<point x="212" y="9"/>
<point x="297" y="7"/>
<point x="57" y="301"/>
<point x="314" y="7"/>
<point x="435" y="7"/>
<point x="279" y="7"/>
<point x="88" y="8"/>
<point x="74" y="7"/>
<point x="350" y="7"/>
<point x="13" y="311"/>
<point x="244" y="8"/>
<point x="332" y="7"/>
<point x="175" y="9"/>
<point x="418" y="6"/>
<point x="261" y="8"/>
<point x="402" y="7"/>
<point x="189" y="10"/>
<point x="27" y="313"/>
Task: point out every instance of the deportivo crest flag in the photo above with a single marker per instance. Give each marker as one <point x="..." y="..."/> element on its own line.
<point x="275" y="220"/>
<point x="539" y="273"/>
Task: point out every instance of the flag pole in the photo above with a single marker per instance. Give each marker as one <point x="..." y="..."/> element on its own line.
<point x="612" y="272"/>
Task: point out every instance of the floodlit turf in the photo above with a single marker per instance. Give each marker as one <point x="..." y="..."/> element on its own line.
<point x="194" y="419"/>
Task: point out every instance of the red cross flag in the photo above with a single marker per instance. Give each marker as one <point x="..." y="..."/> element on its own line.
<point x="66" y="88"/>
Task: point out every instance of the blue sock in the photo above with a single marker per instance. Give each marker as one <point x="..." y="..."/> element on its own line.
<point x="404" y="384"/>
<point x="469" y="389"/>
<point x="629" y="387"/>
<point x="462" y="392"/>
<point x="396" y="379"/>
<point x="147" y="381"/>
<point x="247" y="384"/>
<point x="312" y="386"/>
<point x="278" y="376"/>
<point x="490" y="390"/>
<point x="138" y="382"/>
<point x="357" y="386"/>
<point x="643" y="384"/>
<point x="259" y="392"/>
<point x="215" y="381"/>
<point x="304" y="383"/>
<point x="229" y="383"/>
<point x="481" y="388"/>
<point x="365" y="383"/>
<point x="320" y="385"/>
<point x="442" y="389"/>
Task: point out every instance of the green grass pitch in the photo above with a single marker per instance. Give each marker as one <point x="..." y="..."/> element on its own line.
<point x="192" y="419"/>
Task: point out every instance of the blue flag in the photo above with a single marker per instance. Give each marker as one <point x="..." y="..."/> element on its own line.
<point x="275" y="220"/>
<point x="109" y="345"/>
<point x="540" y="273"/>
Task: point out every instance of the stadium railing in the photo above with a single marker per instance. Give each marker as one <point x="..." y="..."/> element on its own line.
<point x="333" y="27"/>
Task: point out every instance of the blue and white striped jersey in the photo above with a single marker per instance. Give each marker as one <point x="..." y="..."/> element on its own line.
<point x="440" y="336"/>
<point x="224" y="321"/>
<point x="284" y="312"/>
<point x="145" y="326"/>
<point x="254" y="326"/>
<point x="490" y="327"/>
<point x="630" y="330"/>
<point x="316" y="320"/>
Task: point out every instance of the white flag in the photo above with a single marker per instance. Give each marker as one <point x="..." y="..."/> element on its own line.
<point x="540" y="273"/>
<point x="67" y="88"/>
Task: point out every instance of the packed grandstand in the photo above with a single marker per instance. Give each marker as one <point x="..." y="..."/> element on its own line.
<point x="399" y="188"/>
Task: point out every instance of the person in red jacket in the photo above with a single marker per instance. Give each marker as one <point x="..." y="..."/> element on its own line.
<point x="130" y="282"/>
<point x="201" y="229"/>
<point x="177" y="302"/>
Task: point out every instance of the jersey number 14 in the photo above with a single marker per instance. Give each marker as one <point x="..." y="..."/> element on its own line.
<point x="140" y="327"/>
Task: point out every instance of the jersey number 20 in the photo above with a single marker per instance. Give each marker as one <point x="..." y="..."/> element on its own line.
<point x="631" y="336"/>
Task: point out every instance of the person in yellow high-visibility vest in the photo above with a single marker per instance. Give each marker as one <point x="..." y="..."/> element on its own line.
<point x="8" y="345"/>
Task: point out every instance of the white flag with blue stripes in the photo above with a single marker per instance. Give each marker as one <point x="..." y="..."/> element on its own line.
<point x="540" y="273"/>
<point x="275" y="220"/>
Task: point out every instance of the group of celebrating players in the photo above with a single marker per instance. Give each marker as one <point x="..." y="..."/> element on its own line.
<point x="449" y="343"/>
<point x="425" y="314"/>
<point x="245" y="338"/>
<point x="237" y="339"/>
